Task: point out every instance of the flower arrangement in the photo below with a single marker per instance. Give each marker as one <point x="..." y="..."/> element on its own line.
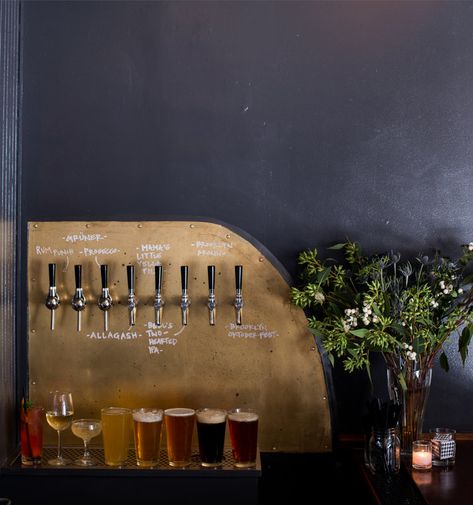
<point x="404" y="310"/>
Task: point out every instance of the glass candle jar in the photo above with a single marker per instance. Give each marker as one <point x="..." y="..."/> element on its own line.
<point x="421" y="455"/>
<point x="384" y="452"/>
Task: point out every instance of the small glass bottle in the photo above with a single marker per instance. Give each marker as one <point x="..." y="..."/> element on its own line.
<point x="384" y="452"/>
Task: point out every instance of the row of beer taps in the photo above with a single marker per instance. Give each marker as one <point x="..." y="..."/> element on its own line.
<point x="105" y="301"/>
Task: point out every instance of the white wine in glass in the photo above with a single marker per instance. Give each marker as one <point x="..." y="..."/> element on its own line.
<point x="59" y="417"/>
<point x="86" y="429"/>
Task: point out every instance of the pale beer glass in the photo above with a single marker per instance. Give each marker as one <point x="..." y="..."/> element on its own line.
<point x="116" y="431"/>
<point x="243" y="426"/>
<point x="147" y="430"/>
<point x="179" y="429"/>
<point x="211" y="432"/>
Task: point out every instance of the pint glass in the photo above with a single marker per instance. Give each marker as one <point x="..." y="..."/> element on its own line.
<point x="243" y="425"/>
<point x="211" y="432"/>
<point x="147" y="428"/>
<point x="116" y="429"/>
<point x="179" y="429"/>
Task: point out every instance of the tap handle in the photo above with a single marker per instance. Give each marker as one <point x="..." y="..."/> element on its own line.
<point x="158" y="277"/>
<point x="130" y="273"/>
<point x="104" y="275"/>
<point x="78" y="275"/>
<point x="211" y="272"/>
<point x="184" y="277"/>
<point x="238" y="277"/>
<point x="52" y="274"/>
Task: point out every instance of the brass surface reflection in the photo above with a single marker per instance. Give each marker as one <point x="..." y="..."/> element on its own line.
<point x="269" y="363"/>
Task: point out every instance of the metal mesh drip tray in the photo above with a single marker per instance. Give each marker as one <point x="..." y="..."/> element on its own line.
<point x="74" y="453"/>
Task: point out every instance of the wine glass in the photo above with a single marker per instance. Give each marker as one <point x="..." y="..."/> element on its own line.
<point x="59" y="416"/>
<point x="86" y="429"/>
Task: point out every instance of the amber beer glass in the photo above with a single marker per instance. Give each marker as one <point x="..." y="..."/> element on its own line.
<point x="116" y="430"/>
<point x="211" y="432"/>
<point x="147" y="428"/>
<point x="179" y="428"/>
<point x="243" y="425"/>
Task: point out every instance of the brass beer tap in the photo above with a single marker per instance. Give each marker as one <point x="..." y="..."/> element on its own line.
<point x="132" y="300"/>
<point x="105" y="300"/>
<point x="238" y="303"/>
<point x="185" y="301"/>
<point x="212" y="302"/>
<point x="158" y="300"/>
<point x="78" y="300"/>
<point x="52" y="300"/>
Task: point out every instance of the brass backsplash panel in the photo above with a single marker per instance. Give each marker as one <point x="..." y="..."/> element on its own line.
<point x="270" y="363"/>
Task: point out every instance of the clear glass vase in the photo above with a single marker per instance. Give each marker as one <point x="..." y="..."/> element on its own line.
<point x="413" y="399"/>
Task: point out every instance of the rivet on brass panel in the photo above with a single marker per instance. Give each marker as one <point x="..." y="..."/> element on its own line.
<point x="192" y="225"/>
<point x="261" y="259"/>
<point x="228" y="235"/>
<point x="140" y="226"/>
<point x="35" y="226"/>
<point x="33" y="331"/>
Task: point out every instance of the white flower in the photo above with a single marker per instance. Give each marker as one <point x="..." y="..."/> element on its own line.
<point x="403" y="323"/>
<point x="446" y="291"/>
<point x="442" y="285"/>
<point x="375" y="319"/>
<point x="347" y="311"/>
<point x="460" y="291"/>
<point x="366" y="321"/>
<point x="406" y="346"/>
<point x="434" y="304"/>
<point x="470" y="246"/>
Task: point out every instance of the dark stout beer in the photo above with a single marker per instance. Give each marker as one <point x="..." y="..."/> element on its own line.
<point x="211" y="431"/>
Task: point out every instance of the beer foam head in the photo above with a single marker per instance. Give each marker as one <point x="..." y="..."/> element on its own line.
<point x="179" y="412"/>
<point x="147" y="415"/>
<point x="244" y="417"/>
<point x="211" y="416"/>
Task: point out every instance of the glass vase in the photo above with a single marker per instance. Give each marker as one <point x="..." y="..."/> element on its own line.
<point x="413" y="399"/>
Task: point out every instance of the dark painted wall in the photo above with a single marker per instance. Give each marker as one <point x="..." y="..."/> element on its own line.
<point x="300" y="122"/>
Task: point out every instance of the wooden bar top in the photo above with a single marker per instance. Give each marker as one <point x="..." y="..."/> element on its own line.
<point x="448" y="486"/>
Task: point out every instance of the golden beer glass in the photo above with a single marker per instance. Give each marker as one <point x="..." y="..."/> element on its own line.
<point x="179" y="429"/>
<point x="147" y="430"/>
<point x="116" y="431"/>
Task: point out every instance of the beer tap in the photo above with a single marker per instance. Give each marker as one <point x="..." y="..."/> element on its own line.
<point x="158" y="300"/>
<point x="238" y="304"/>
<point x="78" y="300"/>
<point x="185" y="301"/>
<point x="212" y="303"/>
<point x="105" y="301"/>
<point x="132" y="300"/>
<point x="52" y="300"/>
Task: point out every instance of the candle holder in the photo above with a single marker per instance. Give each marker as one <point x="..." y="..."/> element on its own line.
<point x="443" y="446"/>
<point x="421" y="455"/>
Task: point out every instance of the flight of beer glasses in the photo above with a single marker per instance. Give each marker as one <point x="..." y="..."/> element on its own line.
<point x="59" y="417"/>
<point x="86" y="429"/>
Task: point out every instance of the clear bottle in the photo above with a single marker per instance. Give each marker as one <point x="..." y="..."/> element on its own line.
<point x="384" y="452"/>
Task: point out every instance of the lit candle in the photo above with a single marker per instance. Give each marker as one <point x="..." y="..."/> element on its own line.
<point x="421" y="455"/>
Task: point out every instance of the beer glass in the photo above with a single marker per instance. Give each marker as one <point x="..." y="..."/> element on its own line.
<point x="179" y="428"/>
<point x="243" y="425"/>
<point x="147" y="424"/>
<point x="211" y="432"/>
<point x="116" y="430"/>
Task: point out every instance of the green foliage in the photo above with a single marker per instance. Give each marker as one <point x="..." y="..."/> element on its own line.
<point x="404" y="310"/>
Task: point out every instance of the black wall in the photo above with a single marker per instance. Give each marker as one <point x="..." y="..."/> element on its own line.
<point x="300" y="122"/>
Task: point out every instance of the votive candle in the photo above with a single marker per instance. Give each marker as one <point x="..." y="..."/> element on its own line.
<point x="421" y="455"/>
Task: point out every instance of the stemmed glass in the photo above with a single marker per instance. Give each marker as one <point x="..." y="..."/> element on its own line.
<point x="59" y="416"/>
<point x="86" y="429"/>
